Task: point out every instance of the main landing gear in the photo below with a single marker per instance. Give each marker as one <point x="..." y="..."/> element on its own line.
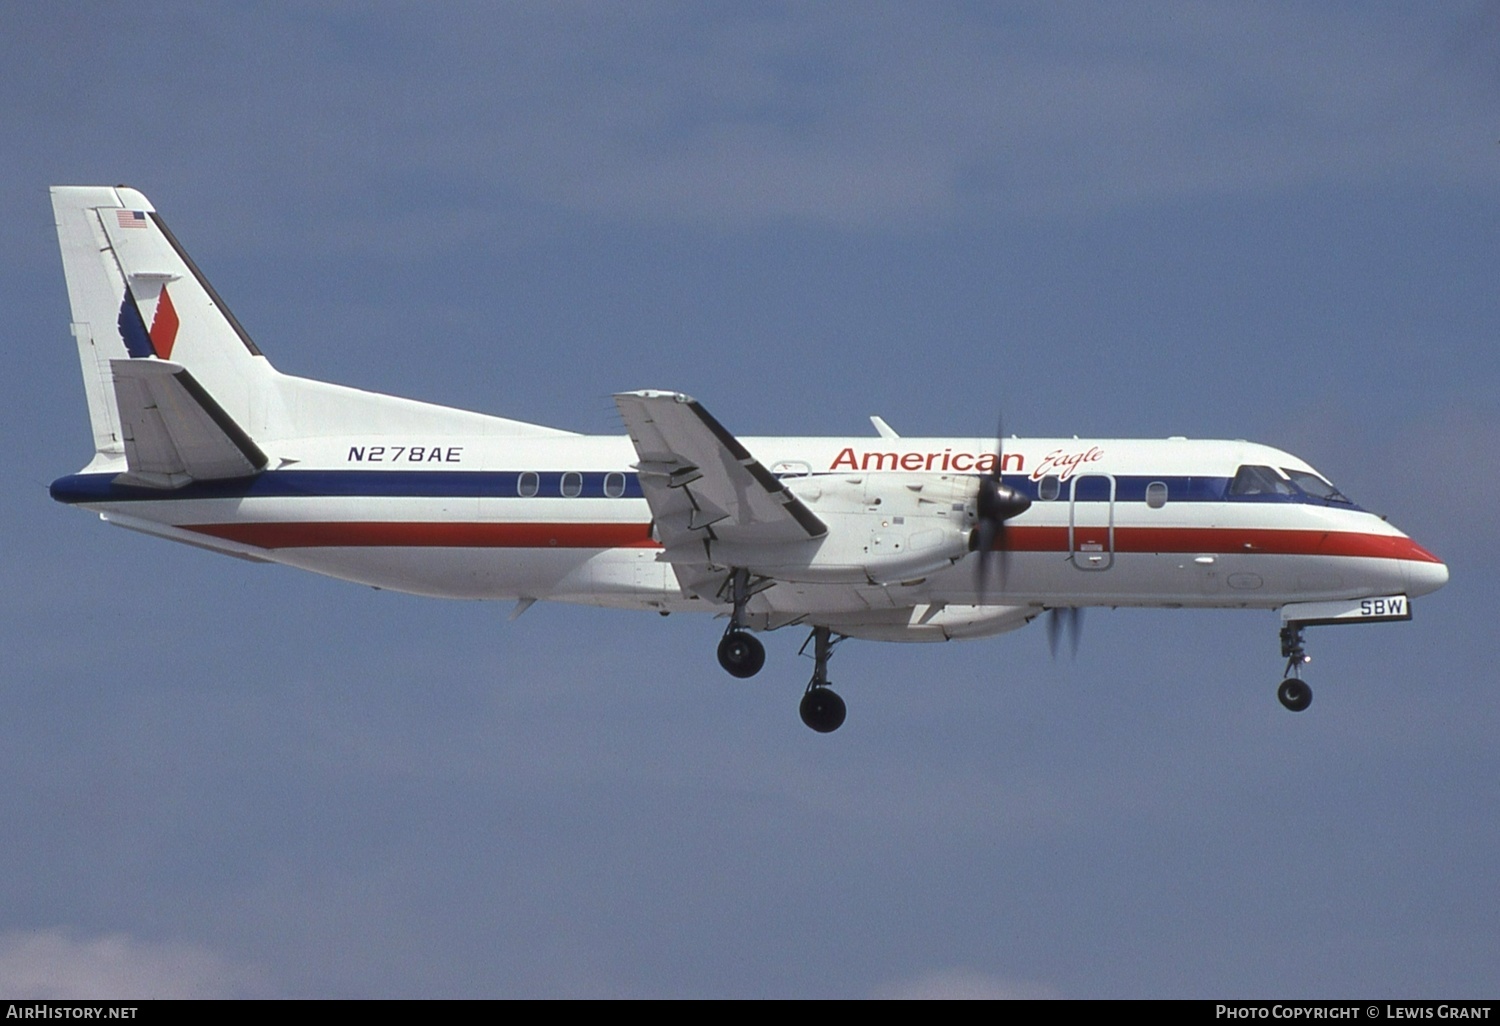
<point x="1294" y="692"/>
<point x="822" y="709"/>
<point x="742" y="655"/>
<point x="740" y="652"/>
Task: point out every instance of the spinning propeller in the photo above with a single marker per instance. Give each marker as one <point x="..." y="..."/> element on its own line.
<point x="997" y="503"/>
<point x="1064" y="620"/>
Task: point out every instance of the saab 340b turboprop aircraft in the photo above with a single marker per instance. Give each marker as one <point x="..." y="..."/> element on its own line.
<point x="200" y="440"/>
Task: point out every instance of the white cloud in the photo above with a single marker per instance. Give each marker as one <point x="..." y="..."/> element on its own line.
<point x="964" y="985"/>
<point x="51" y="964"/>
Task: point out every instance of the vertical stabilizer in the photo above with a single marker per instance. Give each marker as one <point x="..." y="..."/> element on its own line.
<point x="136" y="295"/>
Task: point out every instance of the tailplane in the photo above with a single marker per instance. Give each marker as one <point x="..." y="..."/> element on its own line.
<point x="174" y="432"/>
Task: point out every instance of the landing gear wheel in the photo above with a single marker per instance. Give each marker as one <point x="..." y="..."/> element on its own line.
<point x="823" y="710"/>
<point x="1294" y="694"/>
<point x="741" y="654"/>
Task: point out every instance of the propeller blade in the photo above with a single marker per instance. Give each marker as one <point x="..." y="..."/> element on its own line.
<point x="985" y="535"/>
<point x="995" y="503"/>
<point x="999" y="444"/>
<point x="1064" y="620"/>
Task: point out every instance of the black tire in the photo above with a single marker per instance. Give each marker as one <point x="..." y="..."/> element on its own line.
<point x="741" y="654"/>
<point x="823" y="710"/>
<point x="1294" y="694"/>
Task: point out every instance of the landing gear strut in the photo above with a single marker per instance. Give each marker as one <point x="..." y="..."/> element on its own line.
<point x="822" y="709"/>
<point x="740" y="652"/>
<point x="1294" y="692"/>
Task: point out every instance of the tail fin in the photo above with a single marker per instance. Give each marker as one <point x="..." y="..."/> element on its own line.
<point x="139" y="299"/>
<point x="136" y="295"/>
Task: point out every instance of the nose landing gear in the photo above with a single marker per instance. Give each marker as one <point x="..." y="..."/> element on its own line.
<point x="1294" y="693"/>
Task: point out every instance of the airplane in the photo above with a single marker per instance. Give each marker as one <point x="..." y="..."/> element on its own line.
<point x="198" y="439"/>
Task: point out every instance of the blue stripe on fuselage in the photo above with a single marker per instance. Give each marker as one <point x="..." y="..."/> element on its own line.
<point x="480" y="484"/>
<point x="373" y="484"/>
<point x="369" y="483"/>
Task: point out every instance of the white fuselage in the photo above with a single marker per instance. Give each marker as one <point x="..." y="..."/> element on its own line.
<point x="562" y="518"/>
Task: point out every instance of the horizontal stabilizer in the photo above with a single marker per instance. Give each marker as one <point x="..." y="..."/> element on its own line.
<point x="174" y="432"/>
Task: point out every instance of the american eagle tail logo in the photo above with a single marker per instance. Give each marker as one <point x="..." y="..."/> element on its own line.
<point x="158" y="339"/>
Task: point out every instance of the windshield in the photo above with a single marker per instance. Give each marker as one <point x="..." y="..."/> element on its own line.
<point x="1315" y="486"/>
<point x="1258" y="481"/>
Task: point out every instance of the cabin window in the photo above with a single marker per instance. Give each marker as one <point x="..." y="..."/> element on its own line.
<point x="528" y="484"/>
<point x="572" y="484"/>
<point x="1049" y="488"/>
<point x="1156" y="494"/>
<point x="1258" y="481"/>
<point x="614" y="485"/>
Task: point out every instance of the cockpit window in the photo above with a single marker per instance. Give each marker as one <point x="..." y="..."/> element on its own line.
<point x="1252" y="480"/>
<point x="1315" y="486"/>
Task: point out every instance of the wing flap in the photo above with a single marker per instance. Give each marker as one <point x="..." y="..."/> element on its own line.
<point x="702" y="484"/>
<point x="174" y="431"/>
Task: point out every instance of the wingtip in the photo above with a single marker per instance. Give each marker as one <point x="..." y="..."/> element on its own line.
<point x="655" y="393"/>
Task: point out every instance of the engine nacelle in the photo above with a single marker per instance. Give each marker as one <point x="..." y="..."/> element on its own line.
<point x="883" y="528"/>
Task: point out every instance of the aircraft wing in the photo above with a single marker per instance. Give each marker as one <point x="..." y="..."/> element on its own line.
<point x="702" y="484"/>
<point x="174" y="431"/>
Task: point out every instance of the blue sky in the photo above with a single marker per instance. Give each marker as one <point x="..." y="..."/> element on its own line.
<point x="1274" y="221"/>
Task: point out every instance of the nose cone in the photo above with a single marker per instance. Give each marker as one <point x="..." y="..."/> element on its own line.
<point x="1424" y="572"/>
<point x="1423" y="578"/>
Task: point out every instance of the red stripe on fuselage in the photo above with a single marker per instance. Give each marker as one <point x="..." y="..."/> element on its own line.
<point x="353" y="534"/>
<point x="1222" y="540"/>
